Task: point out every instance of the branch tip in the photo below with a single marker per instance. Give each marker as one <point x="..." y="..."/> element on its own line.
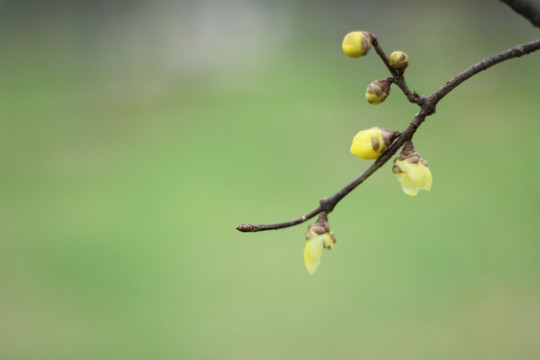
<point x="247" y="228"/>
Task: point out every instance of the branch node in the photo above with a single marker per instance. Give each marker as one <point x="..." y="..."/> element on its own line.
<point x="428" y="108"/>
<point x="327" y="205"/>
<point x="419" y="99"/>
<point x="518" y="52"/>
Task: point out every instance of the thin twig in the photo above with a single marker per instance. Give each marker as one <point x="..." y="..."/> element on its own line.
<point x="399" y="79"/>
<point x="427" y="105"/>
<point x="262" y="227"/>
<point x="514" y="52"/>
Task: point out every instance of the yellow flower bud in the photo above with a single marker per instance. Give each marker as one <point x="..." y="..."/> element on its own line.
<point x="370" y="144"/>
<point x="412" y="171"/>
<point x="356" y="44"/>
<point x="378" y="91"/>
<point x="318" y="237"/>
<point x="399" y="61"/>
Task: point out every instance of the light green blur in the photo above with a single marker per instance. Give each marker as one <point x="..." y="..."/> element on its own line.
<point x="135" y="136"/>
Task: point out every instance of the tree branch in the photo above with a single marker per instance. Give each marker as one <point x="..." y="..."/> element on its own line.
<point x="427" y="107"/>
<point x="514" y="52"/>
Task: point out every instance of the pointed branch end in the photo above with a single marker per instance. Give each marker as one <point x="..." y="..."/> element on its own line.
<point x="247" y="228"/>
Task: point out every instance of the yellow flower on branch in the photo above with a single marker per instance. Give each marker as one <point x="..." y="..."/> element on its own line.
<point x="412" y="171"/>
<point x="371" y="143"/>
<point x="318" y="237"/>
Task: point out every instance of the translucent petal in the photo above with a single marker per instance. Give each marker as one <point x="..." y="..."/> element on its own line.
<point x="313" y="252"/>
<point x="328" y="241"/>
<point x="414" y="177"/>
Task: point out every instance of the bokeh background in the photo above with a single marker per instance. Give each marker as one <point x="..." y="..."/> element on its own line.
<point x="136" y="135"/>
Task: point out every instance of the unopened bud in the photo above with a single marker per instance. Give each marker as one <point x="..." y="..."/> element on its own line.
<point x="356" y="44"/>
<point x="399" y="61"/>
<point x="378" y="91"/>
<point x="371" y="143"/>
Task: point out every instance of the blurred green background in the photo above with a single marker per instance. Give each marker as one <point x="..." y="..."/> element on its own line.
<point x="136" y="135"/>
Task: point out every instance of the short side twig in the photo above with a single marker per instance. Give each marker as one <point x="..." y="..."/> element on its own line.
<point x="514" y="52"/>
<point x="399" y="79"/>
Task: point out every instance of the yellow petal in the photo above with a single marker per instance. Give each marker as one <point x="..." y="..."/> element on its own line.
<point x="313" y="252"/>
<point x="414" y="177"/>
<point x="328" y="241"/>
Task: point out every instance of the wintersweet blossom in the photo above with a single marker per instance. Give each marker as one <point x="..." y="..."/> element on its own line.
<point x="318" y="237"/>
<point x="412" y="171"/>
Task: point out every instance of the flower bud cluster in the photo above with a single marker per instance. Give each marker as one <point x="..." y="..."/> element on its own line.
<point x="357" y="44"/>
<point x="411" y="170"/>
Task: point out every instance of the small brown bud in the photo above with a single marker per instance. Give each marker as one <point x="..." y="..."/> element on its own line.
<point x="399" y="61"/>
<point x="378" y="91"/>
